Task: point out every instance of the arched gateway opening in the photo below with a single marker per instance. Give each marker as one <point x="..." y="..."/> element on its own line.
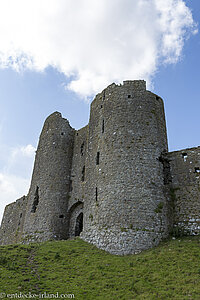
<point x="75" y="214"/>
<point x="79" y="224"/>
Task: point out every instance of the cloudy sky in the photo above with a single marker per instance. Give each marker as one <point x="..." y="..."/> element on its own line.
<point x="55" y="55"/>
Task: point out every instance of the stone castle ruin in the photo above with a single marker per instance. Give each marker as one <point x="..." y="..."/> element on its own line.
<point x="113" y="182"/>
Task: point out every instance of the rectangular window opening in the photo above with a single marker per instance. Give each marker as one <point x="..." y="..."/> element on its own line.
<point x="83" y="174"/>
<point x="35" y="200"/>
<point x="70" y="186"/>
<point x="96" y="194"/>
<point x="103" y="126"/>
<point x="97" y="158"/>
<point x="82" y="148"/>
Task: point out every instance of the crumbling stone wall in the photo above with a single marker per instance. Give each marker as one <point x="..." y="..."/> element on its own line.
<point x="185" y="190"/>
<point x="13" y="221"/>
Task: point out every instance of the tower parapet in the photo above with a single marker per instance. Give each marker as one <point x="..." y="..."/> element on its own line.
<point x="136" y="85"/>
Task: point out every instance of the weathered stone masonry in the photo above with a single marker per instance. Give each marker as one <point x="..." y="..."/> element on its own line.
<point x="185" y="189"/>
<point x="113" y="182"/>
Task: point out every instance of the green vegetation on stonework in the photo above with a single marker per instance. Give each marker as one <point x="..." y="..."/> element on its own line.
<point x="169" y="271"/>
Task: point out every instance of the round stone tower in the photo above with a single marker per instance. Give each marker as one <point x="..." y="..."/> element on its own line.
<point x="48" y="195"/>
<point x="125" y="210"/>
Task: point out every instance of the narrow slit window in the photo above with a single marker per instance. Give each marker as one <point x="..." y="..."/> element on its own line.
<point x="82" y="148"/>
<point x="36" y="200"/>
<point x="70" y="186"/>
<point x="129" y="96"/>
<point x="184" y="156"/>
<point x="197" y="170"/>
<point x="83" y="174"/>
<point x="103" y="126"/>
<point x="97" y="158"/>
<point x="96" y="194"/>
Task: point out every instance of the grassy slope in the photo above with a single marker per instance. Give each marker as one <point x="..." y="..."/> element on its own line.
<point x="169" y="271"/>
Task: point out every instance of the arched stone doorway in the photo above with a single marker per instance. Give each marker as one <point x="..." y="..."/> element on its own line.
<point x="75" y="219"/>
<point x="79" y="224"/>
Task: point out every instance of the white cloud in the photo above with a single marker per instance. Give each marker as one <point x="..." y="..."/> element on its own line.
<point x="95" y="42"/>
<point x="11" y="188"/>
<point x="19" y="160"/>
<point x="26" y="151"/>
<point x="15" y="176"/>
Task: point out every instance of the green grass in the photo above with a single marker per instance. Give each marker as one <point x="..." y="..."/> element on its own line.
<point x="169" y="271"/>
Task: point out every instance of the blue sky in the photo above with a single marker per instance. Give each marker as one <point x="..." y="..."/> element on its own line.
<point x="51" y="62"/>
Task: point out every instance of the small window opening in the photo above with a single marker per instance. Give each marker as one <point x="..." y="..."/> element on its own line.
<point x="70" y="186"/>
<point x="103" y="126"/>
<point x="96" y="195"/>
<point x="184" y="156"/>
<point x="77" y="133"/>
<point x="61" y="216"/>
<point x="157" y="98"/>
<point x="20" y="215"/>
<point x="36" y="200"/>
<point x="97" y="158"/>
<point x="82" y="148"/>
<point x="129" y="96"/>
<point x="83" y="174"/>
<point x="101" y="106"/>
<point x="62" y="133"/>
<point x="197" y="170"/>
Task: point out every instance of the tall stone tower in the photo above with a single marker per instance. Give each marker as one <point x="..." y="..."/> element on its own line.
<point x="126" y="207"/>
<point x="47" y="199"/>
